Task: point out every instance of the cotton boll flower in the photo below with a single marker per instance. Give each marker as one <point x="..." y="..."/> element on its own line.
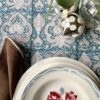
<point x="73" y="25"/>
<point x="64" y="13"/>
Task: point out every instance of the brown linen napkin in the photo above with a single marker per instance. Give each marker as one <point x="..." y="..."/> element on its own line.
<point x="12" y="66"/>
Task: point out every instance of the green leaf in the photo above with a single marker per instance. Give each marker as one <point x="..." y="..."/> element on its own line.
<point x="66" y="3"/>
<point x="98" y="10"/>
<point x="49" y="11"/>
<point x="97" y="2"/>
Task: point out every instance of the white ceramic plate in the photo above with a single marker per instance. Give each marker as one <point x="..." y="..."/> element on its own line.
<point x="59" y="77"/>
<point x="70" y="62"/>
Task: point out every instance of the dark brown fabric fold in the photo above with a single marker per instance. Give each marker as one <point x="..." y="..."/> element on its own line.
<point x="12" y="66"/>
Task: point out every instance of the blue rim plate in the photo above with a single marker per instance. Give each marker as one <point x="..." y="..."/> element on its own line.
<point x="58" y="77"/>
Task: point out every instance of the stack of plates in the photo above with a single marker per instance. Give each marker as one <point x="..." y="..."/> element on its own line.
<point x="58" y="78"/>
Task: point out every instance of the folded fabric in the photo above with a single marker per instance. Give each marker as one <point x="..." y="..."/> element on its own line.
<point x="12" y="66"/>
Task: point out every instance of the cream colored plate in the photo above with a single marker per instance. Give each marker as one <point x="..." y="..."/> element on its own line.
<point x="45" y="64"/>
<point x="72" y="63"/>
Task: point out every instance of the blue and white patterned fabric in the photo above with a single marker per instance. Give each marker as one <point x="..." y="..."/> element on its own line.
<point x="24" y="21"/>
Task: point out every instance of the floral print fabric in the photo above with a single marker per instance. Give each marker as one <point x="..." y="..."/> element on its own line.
<point x="24" y="21"/>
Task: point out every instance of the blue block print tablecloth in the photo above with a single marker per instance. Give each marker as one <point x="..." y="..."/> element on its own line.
<point x="24" y="22"/>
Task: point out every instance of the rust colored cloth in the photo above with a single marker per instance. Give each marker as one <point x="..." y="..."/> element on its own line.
<point x="12" y="66"/>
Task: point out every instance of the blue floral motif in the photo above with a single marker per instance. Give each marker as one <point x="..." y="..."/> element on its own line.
<point x="16" y="22"/>
<point x="24" y="21"/>
<point x="90" y="45"/>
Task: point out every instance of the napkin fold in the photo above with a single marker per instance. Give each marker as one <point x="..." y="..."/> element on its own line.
<point x="12" y="66"/>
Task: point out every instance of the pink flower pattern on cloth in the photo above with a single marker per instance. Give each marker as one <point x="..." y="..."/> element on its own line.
<point x="57" y="96"/>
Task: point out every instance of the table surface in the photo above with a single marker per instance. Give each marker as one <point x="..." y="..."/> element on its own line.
<point x="24" y="22"/>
